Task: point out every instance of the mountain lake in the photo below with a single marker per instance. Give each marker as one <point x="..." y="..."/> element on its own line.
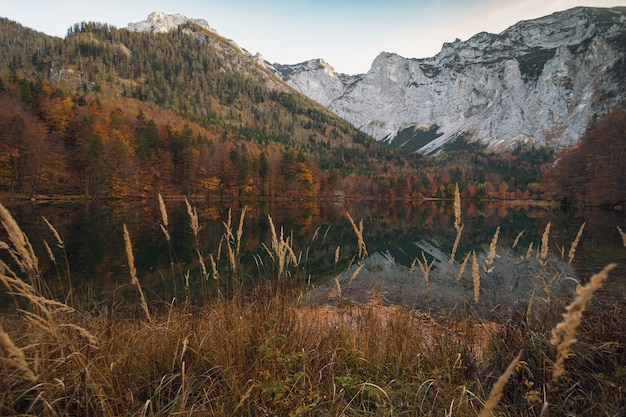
<point x="405" y="257"/>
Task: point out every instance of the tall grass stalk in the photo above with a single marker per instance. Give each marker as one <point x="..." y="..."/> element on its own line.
<point x="622" y="234"/>
<point x="544" y="245"/>
<point x="195" y="228"/>
<point x="133" y="273"/>
<point x="563" y="335"/>
<point x="358" y="231"/>
<point x="15" y="356"/>
<point x="425" y="267"/>
<point x="498" y="388"/>
<point x="572" y="250"/>
<point x="61" y="245"/>
<point x="463" y="266"/>
<point x="529" y="251"/>
<point x="476" y="277"/>
<point x="492" y="252"/>
<point x="21" y="251"/>
<point x="229" y="237"/>
<point x="164" y="218"/>
<point x="517" y="238"/>
<point x="456" y="243"/>
<point x="457" y="208"/>
<point x="281" y="253"/>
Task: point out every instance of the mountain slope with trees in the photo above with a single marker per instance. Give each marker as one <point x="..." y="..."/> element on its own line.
<point x="108" y="112"/>
<point x="125" y="113"/>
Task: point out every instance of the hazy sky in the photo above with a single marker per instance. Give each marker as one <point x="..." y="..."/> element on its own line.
<point x="348" y="34"/>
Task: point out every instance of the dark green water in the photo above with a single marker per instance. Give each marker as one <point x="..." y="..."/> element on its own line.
<point x="98" y="267"/>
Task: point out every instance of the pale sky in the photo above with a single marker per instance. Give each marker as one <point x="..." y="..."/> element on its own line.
<point x="348" y="34"/>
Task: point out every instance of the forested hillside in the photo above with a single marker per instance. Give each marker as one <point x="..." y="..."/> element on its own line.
<point x="107" y="112"/>
<point x="124" y="113"/>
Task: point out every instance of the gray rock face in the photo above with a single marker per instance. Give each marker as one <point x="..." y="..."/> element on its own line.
<point x="159" y="22"/>
<point x="539" y="82"/>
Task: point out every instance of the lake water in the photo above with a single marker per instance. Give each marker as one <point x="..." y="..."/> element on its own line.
<point x="395" y="234"/>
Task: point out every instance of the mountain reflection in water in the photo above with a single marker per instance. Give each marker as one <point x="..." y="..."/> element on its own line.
<point x="513" y="279"/>
<point x="395" y="233"/>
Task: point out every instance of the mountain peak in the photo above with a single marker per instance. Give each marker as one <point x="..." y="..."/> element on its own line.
<point x="160" y="22"/>
<point x="538" y="82"/>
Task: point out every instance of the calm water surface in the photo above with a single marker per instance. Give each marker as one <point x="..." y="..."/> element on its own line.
<point x="395" y="233"/>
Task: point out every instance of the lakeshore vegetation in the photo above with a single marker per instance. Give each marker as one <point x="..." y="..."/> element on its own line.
<point x="264" y="350"/>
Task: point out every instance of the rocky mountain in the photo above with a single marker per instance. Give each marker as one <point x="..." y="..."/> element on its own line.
<point x="159" y="22"/>
<point x="538" y="82"/>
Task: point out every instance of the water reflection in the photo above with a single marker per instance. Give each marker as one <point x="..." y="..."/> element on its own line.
<point x="396" y="233"/>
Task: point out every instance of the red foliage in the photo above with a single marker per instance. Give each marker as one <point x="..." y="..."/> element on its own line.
<point x="593" y="171"/>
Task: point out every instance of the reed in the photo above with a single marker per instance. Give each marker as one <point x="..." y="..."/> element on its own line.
<point x="563" y="335"/>
<point x="517" y="238"/>
<point x="21" y="250"/>
<point x="281" y="253"/>
<point x="622" y="234"/>
<point x="544" y="245"/>
<point x="572" y="250"/>
<point x="492" y="252"/>
<point x="498" y="388"/>
<point x="355" y="273"/>
<point x="193" y="218"/>
<point x="267" y="352"/>
<point x="164" y="219"/>
<point x="61" y="245"/>
<point x="358" y="231"/>
<point x="529" y="251"/>
<point x="133" y="273"/>
<point x="457" y="208"/>
<point x="240" y="232"/>
<point x="457" y="240"/>
<point x="476" y="277"/>
<point x="463" y="266"/>
<point x="425" y="267"/>
<point x="15" y="356"/>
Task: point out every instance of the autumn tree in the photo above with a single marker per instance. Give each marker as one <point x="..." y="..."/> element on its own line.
<point x="593" y="171"/>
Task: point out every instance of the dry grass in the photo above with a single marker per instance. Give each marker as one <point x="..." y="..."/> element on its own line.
<point x="572" y="250"/>
<point x="457" y="240"/>
<point x="492" y="252"/>
<point x="425" y="267"/>
<point x="463" y="266"/>
<point x="164" y="218"/>
<point x="133" y="273"/>
<point x="498" y="388"/>
<point x="281" y="252"/>
<point x="476" y="277"/>
<point x="266" y="353"/>
<point x="517" y="238"/>
<point x="564" y="332"/>
<point x="358" y="231"/>
<point x="458" y="226"/>
<point x="544" y="245"/>
<point x="15" y="356"/>
<point x="622" y="234"/>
